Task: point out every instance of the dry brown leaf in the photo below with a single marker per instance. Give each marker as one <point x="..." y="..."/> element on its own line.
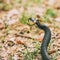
<point x="20" y="42"/>
<point x="52" y="51"/>
<point x="40" y="39"/>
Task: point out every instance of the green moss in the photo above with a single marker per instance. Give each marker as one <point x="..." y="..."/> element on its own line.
<point x="0" y="46"/>
<point x="0" y="1"/>
<point x="51" y="12"/>
<point x="1" y="6"/>
<point x="24" y="19"/>
<point x="19" y="1"/>
<point x="11" y="57"/>
<point x="7" y="7"/>
<point x="30" y="55"/>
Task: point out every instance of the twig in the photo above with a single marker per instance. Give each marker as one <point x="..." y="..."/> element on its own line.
<point x="25" y="36"/>
<point x="51" y="52"/>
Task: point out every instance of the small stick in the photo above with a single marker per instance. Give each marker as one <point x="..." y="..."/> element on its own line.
<point x="51" y="52"/>
<point x="25" y="36"/>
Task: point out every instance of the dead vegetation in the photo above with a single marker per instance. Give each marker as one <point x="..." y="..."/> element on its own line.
<point x="20" y="39"/>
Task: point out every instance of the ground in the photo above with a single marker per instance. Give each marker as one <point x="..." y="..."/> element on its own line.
<point x="20" y="39"/>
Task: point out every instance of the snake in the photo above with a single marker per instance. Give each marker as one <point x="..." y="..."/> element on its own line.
<point x="46" y="38"/>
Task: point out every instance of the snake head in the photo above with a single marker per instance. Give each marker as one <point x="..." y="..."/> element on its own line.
<point x="33" y="19"/>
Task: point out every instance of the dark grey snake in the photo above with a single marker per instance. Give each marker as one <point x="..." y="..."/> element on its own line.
<point x="46" y="39"/>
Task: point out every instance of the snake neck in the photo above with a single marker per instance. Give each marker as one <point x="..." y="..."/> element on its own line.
<point x="45" y="42"/>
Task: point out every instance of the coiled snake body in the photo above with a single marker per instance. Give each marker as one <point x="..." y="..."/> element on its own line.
<point x="46" y="39"/>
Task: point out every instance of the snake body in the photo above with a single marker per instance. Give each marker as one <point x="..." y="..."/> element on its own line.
<point x="46" y="39"/>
